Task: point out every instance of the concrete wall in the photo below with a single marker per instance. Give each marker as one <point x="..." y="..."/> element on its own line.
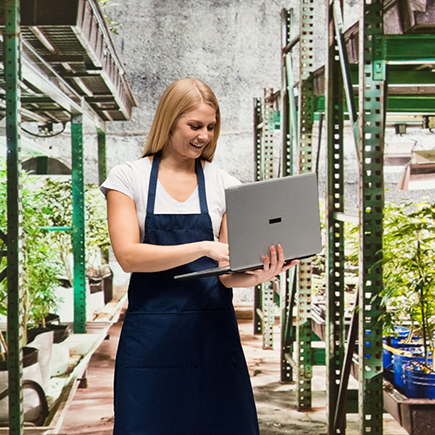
<point x="234" y="46"/>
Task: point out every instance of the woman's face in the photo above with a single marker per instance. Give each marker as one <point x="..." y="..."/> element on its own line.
<point x="193" y="131"/>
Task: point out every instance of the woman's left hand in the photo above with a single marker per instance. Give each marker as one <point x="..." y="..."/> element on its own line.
<point x="273" y="265"/>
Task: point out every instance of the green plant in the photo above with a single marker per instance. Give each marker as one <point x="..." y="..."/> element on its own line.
<point x="408" y="269"/>
<point x="40" y="269"/>
<point x="56" y="206"/>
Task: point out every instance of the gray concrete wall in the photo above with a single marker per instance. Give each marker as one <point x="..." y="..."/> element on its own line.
<point x="234" y="46"/>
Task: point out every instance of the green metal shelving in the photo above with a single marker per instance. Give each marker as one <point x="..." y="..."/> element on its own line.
<point x="35" y="82"/>
<point x="264" y="125"/>
<point x="369" y="74"/>
<point x="14" y="242"/>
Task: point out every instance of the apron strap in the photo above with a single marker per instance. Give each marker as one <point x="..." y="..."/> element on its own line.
<point x="153" y="185"/>
<point x="201" y="187"/>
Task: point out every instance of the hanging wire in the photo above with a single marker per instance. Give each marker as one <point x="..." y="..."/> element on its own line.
<point x="45" y="135"/>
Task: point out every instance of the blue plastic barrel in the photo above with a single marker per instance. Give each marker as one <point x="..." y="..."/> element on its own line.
<point x="413" y="354"/>
<point x="388" y="355"/>
<point x="418" y="384"/>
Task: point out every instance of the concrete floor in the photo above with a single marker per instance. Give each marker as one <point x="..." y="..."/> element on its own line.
<point x="91" y="409"/>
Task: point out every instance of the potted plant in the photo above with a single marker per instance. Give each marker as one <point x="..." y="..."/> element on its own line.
<point x="39" y="281"/>
<point x="56" y="205"/>
<point x="409" y="276"/>
<point x="40" y="268"/>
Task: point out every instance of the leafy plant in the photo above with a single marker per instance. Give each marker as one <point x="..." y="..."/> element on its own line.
<point x="409" y="272"/>
<point x="40" y="269"/>
<point x="56" y="206"/>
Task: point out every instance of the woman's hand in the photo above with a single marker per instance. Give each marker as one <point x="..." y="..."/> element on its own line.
<point x="218" y="251"/>
<point x="272" y="266"/>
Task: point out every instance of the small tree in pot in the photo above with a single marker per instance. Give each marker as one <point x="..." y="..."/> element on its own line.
<point x="40" y="269"/>
<point x="409" y="269"/>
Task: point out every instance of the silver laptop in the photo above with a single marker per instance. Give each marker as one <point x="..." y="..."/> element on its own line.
<point x="265" y="213"/>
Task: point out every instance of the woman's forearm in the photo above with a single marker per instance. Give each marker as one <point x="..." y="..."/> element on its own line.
<point x="239" y="280"/>
<point x="142" y="257"/>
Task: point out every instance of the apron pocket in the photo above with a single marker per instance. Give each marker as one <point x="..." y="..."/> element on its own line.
<point x="184" y="339"/>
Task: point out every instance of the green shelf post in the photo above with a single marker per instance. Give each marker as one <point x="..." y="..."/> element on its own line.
<point x="288" y="129"/>
<point x="78" y="195"/>
<point x="102" y="161"/>
<point x="14" y="243"/>
<point x="305" y="145"/>
<point x="335" y="329"/>
<point x="258" y="117"/>
<point x="372" y="90"/>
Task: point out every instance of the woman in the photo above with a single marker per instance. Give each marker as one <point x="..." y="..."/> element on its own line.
<point x="180" y="368"/>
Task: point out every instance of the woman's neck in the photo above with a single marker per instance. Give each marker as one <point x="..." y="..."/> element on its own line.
<point x="176" y="163"/>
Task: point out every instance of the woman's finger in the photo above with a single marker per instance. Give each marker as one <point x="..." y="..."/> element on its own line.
<point x="273" y="257"/>
<point x="266" y="263"/>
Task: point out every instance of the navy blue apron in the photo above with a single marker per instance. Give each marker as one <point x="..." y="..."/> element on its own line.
<point x="180" y="368"/>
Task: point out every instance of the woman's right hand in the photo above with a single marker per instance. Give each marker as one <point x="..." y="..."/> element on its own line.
<point x="218" y="251"/>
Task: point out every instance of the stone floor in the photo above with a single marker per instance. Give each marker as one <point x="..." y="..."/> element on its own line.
<point x="91" y="409"/>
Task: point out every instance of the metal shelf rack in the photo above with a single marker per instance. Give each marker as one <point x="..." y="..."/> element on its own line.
<point x="377" y="70"/>
<point x="59" y="65"/>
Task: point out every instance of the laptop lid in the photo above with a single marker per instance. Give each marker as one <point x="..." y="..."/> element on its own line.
<point x="265" y="213"/>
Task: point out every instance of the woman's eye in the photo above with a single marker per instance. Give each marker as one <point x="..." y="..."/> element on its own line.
<point x="211" y="128"/>
<point x="194" y="127"/>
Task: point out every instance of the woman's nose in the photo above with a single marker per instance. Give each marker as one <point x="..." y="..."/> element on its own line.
<point x="203" y="133"/>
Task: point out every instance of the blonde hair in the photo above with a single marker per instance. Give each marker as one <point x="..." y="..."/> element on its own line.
<point x="180" y="97"/>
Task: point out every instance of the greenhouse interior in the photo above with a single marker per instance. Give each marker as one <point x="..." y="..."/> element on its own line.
<point x="339" y="341"/>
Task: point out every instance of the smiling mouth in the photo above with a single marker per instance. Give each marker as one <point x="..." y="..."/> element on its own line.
<point x="197" y="145"/>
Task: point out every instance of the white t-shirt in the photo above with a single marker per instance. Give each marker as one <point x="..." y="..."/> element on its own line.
<point x="132" y="179"/>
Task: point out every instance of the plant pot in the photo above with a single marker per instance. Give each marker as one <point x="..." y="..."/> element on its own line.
<point x="108" y="287"/>
<point x="34" y="400"/>
<point x="419" y="384"/>
<point x="42" y="339"/>
<point x="52" y="319"/>
<point x="389" y="350"/>
<point x="95" y="284"/>
<point x="405" y="357"/>
<point x="59" y="361"/>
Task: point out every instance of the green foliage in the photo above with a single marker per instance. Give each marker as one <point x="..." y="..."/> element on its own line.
<point x="408" y="260"/>
<point x="46" y="254"/>
<point x="408" y="267"/>
<point x="56" y="206"/>
<point x="40" y="268"/>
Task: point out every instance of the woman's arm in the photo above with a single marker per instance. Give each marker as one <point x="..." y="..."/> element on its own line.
<point x="272" y="265"/>
<point x="134" y="256"/>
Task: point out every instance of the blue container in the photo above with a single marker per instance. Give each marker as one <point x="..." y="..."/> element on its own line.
<point x="412" y="354"/>
<point x="387" y="358"/>
<point x="418" y="384"/>
<point x="397" y="342"/>
<point x="387" y="355"/>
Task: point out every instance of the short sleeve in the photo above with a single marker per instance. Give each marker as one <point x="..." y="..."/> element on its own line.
<point x="230" y="181"/>
<point x="121" y="179"/>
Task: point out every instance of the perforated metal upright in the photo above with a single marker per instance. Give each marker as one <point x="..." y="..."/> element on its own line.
<point x="78" y="196"/>
<point x="102" y="166"/>
<point x="258" y="165"/>
<point x="372" y="104"/>
<point x="288" y="137"/>
<point x="305" y="134"/>
<point x="370" y="145"/>
<point x="264" y="119"/>
<point x="335" y="332"/>
<point x="14" y="241"/>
